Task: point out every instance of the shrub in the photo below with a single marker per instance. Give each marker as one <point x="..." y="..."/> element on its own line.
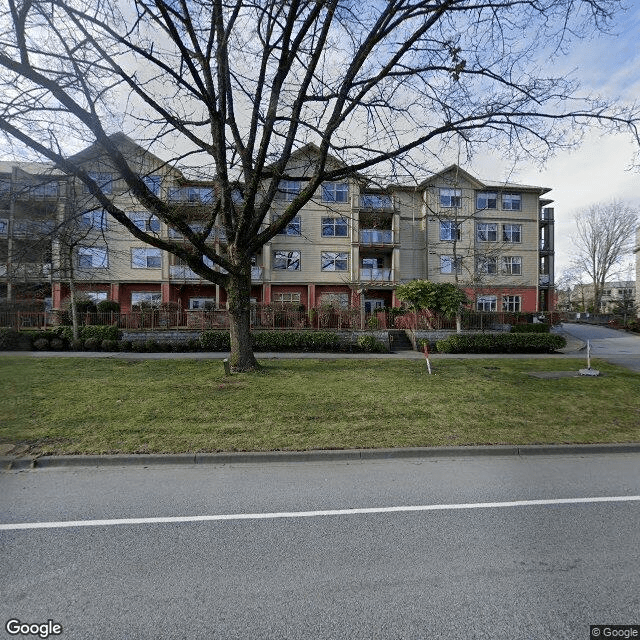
<point x="370" y="344"/>
<point x="215" y="340"/>
<point x="124" y="345"/>
<point x="296" y="341"/>
<point x="109" y="345"/>
<point x="138" y="347"/>
<point x="92" y="344"/>
<point x="151" y="346"/>
<point x="536" y="327"/>
<point x="502" y="343"/>
<point x="12" y="340"/>
<point x="57" y="344"/>
<point x="77" y="345"/>
<point x="100" y="332"/>
<point x="107" y="306"/>
<point x="41" y="344"/>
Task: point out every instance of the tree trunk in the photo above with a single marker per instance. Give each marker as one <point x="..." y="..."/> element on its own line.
<point x="72" y="298"/>
<point x="239" y="300"/>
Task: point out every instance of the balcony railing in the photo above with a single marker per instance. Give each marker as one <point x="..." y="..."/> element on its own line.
<point x="376" y="201"/>
<point x="376" y="275"/>
<point x="545" y="280"/>
<point x="376" y="236"/>
<point x="27" y="271"/>
<point x="181" y="272"/>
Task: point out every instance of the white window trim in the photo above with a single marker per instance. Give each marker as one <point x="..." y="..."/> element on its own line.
<point x="102" y="253"/>
<point x="289" y="257"/>
<point x="508" y="263"/>
<point x="448" y="228"/>
<point x="332" y="223"/>
<point x="333" y="189"/>
<point x="337" y="256"/>
<point x="149" y="252"/>
<point x="450" y="198"/>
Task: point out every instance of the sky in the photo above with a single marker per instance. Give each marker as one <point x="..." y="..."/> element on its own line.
<point x="599" y="171"/>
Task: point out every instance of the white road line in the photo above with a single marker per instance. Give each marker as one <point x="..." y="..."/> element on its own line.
<point x="311" y="514"/>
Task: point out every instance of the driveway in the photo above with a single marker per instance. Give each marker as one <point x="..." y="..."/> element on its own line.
<point x="615" y="346"/>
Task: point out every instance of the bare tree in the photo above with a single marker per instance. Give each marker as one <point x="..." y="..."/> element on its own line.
<point x="603" y="238"/>
<point x="234" y="88"/>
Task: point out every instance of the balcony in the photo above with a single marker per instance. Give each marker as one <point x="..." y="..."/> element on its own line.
<point x="376" y="236"/>
<point x="376" y="275"/>
<point x="376" y="202"/>
<point x="544" y="280"/>
<point x="181" y="272"/>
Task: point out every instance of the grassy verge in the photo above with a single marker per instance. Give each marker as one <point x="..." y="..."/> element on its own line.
<point x="72" y="405"/>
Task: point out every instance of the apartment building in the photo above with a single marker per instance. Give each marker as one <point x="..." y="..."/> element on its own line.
<point x="351" y="245"/>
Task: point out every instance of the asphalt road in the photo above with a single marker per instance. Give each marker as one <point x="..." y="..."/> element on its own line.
<point x="525" y="571"/>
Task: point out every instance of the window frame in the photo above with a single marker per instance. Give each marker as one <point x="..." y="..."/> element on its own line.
<point x="289" y="190"/>
<point x="449" y="227"/>
<point x="483" y="300"/>
<point x="145" y="221"/>
<point x="455" y="265"/>
<point x="154" y="297"/>
<point x="90" y="220"/>
<point x="508" y="201"/>
<point x="512" y="303"/>
<point x="280" y="255"/>
<point x="489" y="231"/>
<point x="293" y="228"/>
<point x="331" y="190"/>
<point x="515" y="229"/>
<point x="450" y="198"/>
<point x="508" y="263"/>
<point x="487" y="265"/>
<point x="279" y="297"/>
<point x="334" y="223"/>
<point x="147" y="255"/>
<point x="339" y="257"/>
<point x="489" y="197"/>
<point x="100" y="177"/>
<point x="93" y="252"/>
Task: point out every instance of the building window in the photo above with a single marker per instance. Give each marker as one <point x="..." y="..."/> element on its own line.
<point x="293" y="228"/>
<point x="95" y="296"/>
<point x="96" y="219"/>
<point x="512" y="265"/>
<point x="336" y="300"/>
<point x="488" y="265"/>
<point x="486" y="232"/>
<point x="511" y="303"/>
<point x="286" y="260"/>
<point x="92" y="258"/>
<point x="145" y="221"/>
<point x="146" y="297"/>
<point x="45" y="190"/>
<point x="449" y="264"/>
<point x="202" y="303"/>
<point x="487" y="303"/>
<point x="289" y="189"/>
<point x="286" y="297"/>
<point x="450" y="230"/>
<point x="511" y="202"/>
<point x="486" y="200"/>
<point x="153" y="184"/>
<point x="104" y="180"/>
<point x="334" y="261"/>
<point x="512" y="232"/>
<point x="335" y="192"/>
<point x="4" y="226"/>
<point x="194" y="195"/>
<point x="334" y="227"/>
<point x="450" y="198"/>
<point x="146" y="258"/>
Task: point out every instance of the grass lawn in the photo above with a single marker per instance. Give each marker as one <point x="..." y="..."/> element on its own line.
<point x="70" y="405"/>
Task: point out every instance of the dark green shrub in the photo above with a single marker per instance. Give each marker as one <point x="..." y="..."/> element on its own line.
<point x="215" y="340"/>
<point x="124" y="345"/>
<point x="296" y="341"/>
<point x="501" y="343"/>
<point x="41" y="344"/>
<point x="370" y="344"/>
<point x="537" y="327"/>
<point x="77" y="345"/>
<point x="57" y="344"/>
<point x="193" y="345"/>
<point x="107" y="306"/>
<point x="100" y="332"/>
<point x="92" y="344"/>
<point x="85" y="306"/>
<point x="12" y="340"/>
<point x="109" y="345"/>
<point x="151" y="346"/>
<point x="138" y="347"/>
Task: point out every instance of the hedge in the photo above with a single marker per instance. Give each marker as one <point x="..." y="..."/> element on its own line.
<point x="502" y="343"/>
<point x="95" y="333"/>
<point x="296" y="341"/>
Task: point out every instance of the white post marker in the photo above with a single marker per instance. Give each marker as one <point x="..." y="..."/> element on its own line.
<point x="426" y="356"/>
<point x="589" y="371"/>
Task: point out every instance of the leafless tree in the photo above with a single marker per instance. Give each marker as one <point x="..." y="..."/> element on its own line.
<point x="604" y="236"/>
<point x="233" y="88"/>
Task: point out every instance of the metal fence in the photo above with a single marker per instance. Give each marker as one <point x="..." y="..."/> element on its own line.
<point x="273" y="316"/>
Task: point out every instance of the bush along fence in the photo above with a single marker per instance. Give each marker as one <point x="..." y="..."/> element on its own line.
<point x="110" y="338"/>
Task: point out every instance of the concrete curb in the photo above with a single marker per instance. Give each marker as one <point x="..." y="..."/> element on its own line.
<point x="326" y="455"/>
